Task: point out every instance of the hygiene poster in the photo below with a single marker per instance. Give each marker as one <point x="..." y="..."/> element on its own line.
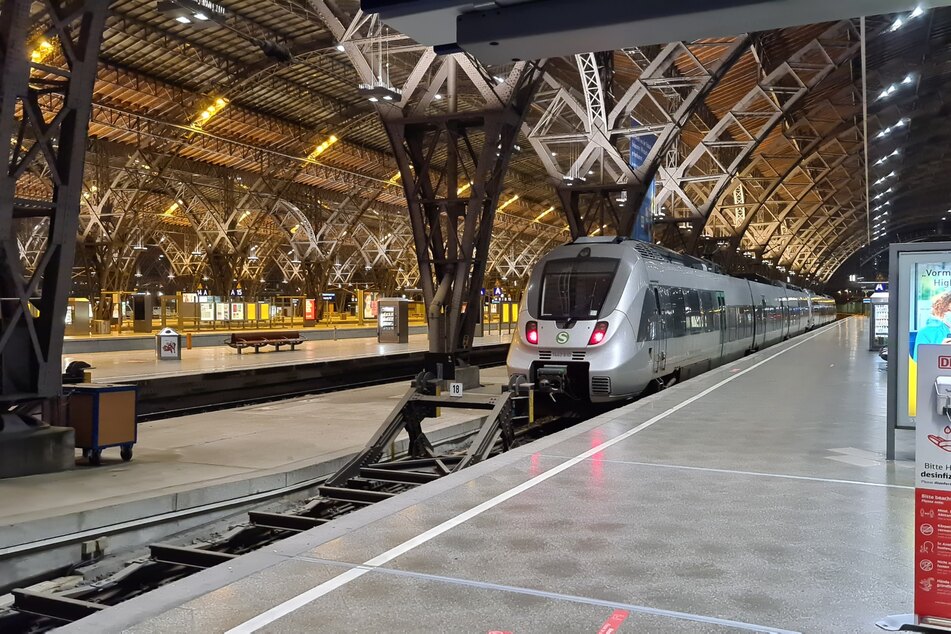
<point x="929" y="316"/>
<point x="932" y="487"/>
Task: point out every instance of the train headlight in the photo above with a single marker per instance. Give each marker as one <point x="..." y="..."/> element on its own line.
<point x="599" y="333"/>
<point x="531" y="332"/>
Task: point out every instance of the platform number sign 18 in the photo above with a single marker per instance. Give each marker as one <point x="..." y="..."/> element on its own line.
<point x="455" y="389"/>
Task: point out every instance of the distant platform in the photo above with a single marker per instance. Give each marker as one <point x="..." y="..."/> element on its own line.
<point x="753" y="498"/>
<point x="136" y="365"/>
<point x="139" y="341"/>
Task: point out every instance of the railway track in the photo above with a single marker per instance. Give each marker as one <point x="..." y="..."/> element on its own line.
<point x="165" y="397"/>
<point x="36" y="610"/>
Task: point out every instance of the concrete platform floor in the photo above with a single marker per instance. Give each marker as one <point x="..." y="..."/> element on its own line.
<point x="205" y="458"/>
<point x="131" y="365"/>
<point x="752" y="498"/>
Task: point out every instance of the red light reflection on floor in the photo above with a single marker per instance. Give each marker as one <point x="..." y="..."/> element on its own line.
<point x="597" y="460"/>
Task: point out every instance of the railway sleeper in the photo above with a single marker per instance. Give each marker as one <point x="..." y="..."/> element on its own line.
<point x="355" y="496"/>
<point x="52" y="606"/>
<point x="400" y="476"/>
<point x="415" y="463"/>
<point x="285" y="521"/>
<point x="191" y="557"/>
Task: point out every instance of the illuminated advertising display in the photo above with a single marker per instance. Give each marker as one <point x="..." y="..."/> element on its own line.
<point x="929" y="316"/>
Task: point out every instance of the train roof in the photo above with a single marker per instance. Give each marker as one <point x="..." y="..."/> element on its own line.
<point x="654" y="252"/>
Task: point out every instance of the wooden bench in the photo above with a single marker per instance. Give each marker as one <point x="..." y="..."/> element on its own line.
<point x="257" y="340"/>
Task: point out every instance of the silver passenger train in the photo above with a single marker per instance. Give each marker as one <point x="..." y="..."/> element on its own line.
<point x="603" y="319"/>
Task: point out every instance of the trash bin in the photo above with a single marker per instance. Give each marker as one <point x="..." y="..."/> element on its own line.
<point x="168" y="345"/>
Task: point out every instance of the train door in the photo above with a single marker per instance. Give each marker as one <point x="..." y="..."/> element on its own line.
<point x="787" y="318"/>
<point x="721" y="311"/>
<point x="659" y="349"/>
<point x="759" y="327"/>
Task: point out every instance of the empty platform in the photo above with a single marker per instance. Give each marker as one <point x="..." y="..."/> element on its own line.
<point x="752" y="498"/>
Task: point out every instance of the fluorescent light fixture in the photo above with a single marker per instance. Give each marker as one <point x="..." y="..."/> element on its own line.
<point x="340" y="47"/>
<point x="908" y="79"/>
<point x="201" y="16"/>
<point x="183" y="20"/>
<point x="896" y="25"/>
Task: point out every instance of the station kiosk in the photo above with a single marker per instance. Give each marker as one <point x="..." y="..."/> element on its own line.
<point x="392" y="322"/>
<point x="878" y="321"/>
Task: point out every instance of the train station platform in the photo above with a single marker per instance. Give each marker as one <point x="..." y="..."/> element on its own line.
<point x="754" y="497"/>
<point x="209" y="377"/>
<point x="117" y="342"/>
<point x="137" y="365"/>
<point x="191" y="470"/>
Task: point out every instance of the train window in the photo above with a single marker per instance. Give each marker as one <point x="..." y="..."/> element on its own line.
<point x="648" y="327"/>
<point x="694" y="314"/>
<point x="576" y="288"/>
<point x="677" y="317"/>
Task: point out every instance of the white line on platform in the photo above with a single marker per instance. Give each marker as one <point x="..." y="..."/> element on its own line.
<point x="297" y="602"/>
<point x="558" y="596"/>
<point x="761" y="474"/>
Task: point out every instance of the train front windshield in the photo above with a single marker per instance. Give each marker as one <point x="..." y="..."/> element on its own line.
<point x="576" y="288"/>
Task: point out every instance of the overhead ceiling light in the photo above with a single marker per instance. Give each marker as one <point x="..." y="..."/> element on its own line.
<point x="183" y="20"/>
<point x="917" y="12"/>
<point x="908" y="79"/>
<point x="437" y="96"/>
<point x="376" y="92"/>
<point x="201" y="16"/>
<point x="340" y="47"/>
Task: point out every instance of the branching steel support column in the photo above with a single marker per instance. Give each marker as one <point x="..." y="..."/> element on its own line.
<point x="601" y="209"/>
<point x="452" y="230"/>
<point x="42" y="179"/>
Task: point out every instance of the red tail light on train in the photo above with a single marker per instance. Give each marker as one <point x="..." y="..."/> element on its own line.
<point x="599" y="333"/>
<point x="531" y="332"/>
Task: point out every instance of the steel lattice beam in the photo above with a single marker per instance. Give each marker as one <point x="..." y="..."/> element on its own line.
<point x="44" y="114"/>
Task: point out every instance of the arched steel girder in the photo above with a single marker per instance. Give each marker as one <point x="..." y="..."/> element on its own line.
<point x="851" y="185"/>
<point x="576" y="139"/>
<point x="817" y="150"/>
<point x="814" y="243"/>
<point x="832" y="263"/>
<point x="822" y="193"/>
<point x="848" y="237"/>
<point x="692" y="189"/>
<point x="831" y="228"/>
<point x="799" y="189"/>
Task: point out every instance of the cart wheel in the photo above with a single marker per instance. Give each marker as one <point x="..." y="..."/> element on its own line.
<point x="126" y="453"/>
<point x="95" y="457"/>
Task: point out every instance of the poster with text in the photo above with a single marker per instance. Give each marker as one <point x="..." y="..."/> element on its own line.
<point x="930" y="314"/>
<point x="932" y="487"/>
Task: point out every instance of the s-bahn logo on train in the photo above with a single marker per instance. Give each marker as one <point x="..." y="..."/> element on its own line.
<point x="562" y="337"/>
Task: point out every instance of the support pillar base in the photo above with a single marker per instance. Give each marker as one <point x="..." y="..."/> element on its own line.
<point x="36" y="450"/>
<point x="468" y="376"/>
